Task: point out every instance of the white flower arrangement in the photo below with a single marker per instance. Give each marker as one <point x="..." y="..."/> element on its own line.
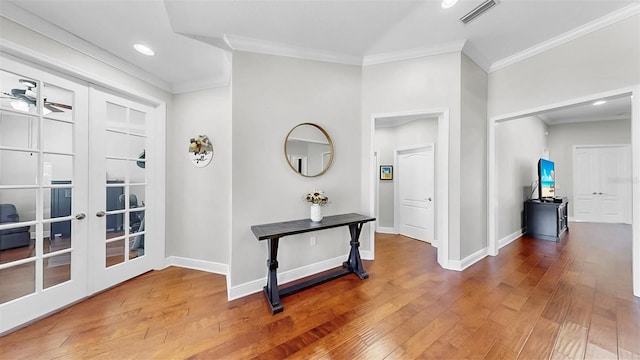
<point x="317" y="197"/>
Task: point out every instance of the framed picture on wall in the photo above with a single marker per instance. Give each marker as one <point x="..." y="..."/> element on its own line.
<point x="386" y="172"/>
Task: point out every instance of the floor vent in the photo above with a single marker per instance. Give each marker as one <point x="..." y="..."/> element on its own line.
<point x="478" y="11"/>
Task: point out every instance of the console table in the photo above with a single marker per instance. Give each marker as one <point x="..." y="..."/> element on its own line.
<point x="273" y="232"/>
<point x="546" y="220"/>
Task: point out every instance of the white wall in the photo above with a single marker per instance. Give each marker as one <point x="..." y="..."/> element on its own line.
<point x="600" y="61"/>
<point x="418" y="84"/>
<point x="387" y="140"/>
<point x="271" y="95"/>
<point x="519" y="145"/>
<point x="562" y="139"/>
<point x="199" y="199"/>
<point x="473" y="158"/>
<point x="603" y="61"/>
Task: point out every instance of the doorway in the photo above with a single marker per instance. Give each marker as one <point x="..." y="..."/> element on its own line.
<point x="440" y="133"/>
<point x="52" y="189"/>
<point x="634" y="94"/>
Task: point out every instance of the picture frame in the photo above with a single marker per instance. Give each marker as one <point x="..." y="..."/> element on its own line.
<point x="386" y="172"/>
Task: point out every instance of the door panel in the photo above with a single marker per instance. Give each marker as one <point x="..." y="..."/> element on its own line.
<point x="43" y="184"/>
<point x="600" y="195"/>
<point x="415" y="172"/>
<point x="122" y="155"/>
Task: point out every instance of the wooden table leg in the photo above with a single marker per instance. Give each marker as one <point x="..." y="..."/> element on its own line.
<point x="271" y="290"/>
<point x="354" y="263"/>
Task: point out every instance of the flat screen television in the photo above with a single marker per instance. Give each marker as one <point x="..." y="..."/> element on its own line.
<point x="546" y="179"/>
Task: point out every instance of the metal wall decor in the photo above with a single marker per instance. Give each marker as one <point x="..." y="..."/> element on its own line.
<point x="200" y="151"/>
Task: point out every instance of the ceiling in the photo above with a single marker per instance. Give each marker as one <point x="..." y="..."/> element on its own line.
<point x="192" y="38"/>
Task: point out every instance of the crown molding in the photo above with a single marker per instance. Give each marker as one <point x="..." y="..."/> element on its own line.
<point x="240" y="43"/>
<point x="203" y="83"/>
<point x="41" y="26"/>
<point x="382" y="58"/>
<point x="578" y="32"/>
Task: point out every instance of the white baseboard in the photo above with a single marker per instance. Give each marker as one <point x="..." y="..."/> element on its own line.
<point x="510" y="238"/>
<point x="386" y="230"/>
<point x="460" y="265"/>
<point x="208" y="266"/>
<point x="284" y="277"/>
<point x="366" y="255"/>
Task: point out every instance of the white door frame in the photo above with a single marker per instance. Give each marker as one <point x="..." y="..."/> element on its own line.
<point x="396" y="187"/>
<point x="442" y="176"/>
<point x="634" y="92"/>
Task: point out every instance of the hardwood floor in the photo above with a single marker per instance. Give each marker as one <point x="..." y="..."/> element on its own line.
<point x="536" y="300"/>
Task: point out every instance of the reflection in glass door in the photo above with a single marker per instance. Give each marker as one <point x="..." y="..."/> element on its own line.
<point x="121" y="169"/>
<point x="43" y="193"/>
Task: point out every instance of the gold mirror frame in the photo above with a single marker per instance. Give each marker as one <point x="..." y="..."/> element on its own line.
<point x="330" y="143"/>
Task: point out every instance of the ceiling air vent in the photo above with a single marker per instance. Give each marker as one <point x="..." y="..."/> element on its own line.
<point x="478" y="11"/>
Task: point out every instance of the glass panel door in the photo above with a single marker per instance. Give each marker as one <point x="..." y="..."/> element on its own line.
<point x="43" y="186"/>
<point x="121" y="169"/>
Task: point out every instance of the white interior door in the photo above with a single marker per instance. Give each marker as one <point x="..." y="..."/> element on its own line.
<point x="601" y="193"/>
<point x="43" y="192"/>
<point x="415" y="193"/>
<point x="121" y="178"/>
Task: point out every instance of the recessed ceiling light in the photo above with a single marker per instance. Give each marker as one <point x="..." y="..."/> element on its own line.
<point x="599" y="102"/>
<point x="448" y="3"/>
<point x="143" y="49"/>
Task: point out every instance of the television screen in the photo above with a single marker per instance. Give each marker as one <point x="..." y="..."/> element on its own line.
<point x="546" y="179"/>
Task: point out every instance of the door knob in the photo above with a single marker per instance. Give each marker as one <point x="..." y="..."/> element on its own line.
<point x="80" y="216"/>
<point x="429" y="199"/>
<point x="101" y="213"/>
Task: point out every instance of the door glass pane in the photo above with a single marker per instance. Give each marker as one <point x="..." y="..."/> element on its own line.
<point x="138" y="193"/>
<point x="59" y="238"/>
<point x="136" y="221"/>
<point x="18" y="168"/>
<point x="116" y="117"/>
<point x="116" y="144"/>
<point x="115" y="252"/>
<point x="116" y="170"/>
<point x="58" y="102"/>
<point x="57" y="201"/>
<point x="17" y="130"/>
<point x="57" y="136"/>
<point x="16" y="244"/>
<point x="115" y="225"/>
<point x="17" y="205"/>
<point x="19" y="93"/>
<point x="57" y="168"/>
<point x="136" y="173"/>
<point x="136" y="246"/>
<point x="136" y="146"/>
<point x="56" y="269"/>
<point x="17" y="281"/>
<point x="137" y="122"/>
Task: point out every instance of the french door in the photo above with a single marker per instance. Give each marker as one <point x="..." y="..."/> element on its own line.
<point x="602" y="186"/>
<point x="120" y="194"/>
<point x="75" y="164"/>
<point x="43" y="193"/>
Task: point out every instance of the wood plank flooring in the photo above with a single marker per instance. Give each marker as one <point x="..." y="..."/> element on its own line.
<point x="536" y="300"/>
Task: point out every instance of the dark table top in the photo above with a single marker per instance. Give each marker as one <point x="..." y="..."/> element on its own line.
<point x="280" y="229"/>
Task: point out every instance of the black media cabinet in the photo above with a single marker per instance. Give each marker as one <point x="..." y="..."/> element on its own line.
<point x="546" y="220"/>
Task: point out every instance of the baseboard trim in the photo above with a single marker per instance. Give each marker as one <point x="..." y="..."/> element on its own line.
<point x="254" y="286"/>
<point x="460" y="265"/>
<point x="510" y="238"/>
<point x="366" y="255"/>
<point x="202" y="265"/>
<point x="386" y="230"/>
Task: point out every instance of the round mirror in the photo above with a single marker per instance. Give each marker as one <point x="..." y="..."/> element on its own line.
<point x="308" y="149"/>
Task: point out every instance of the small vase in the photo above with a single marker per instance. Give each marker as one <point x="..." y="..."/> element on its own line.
<point x="316" y="212"/>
